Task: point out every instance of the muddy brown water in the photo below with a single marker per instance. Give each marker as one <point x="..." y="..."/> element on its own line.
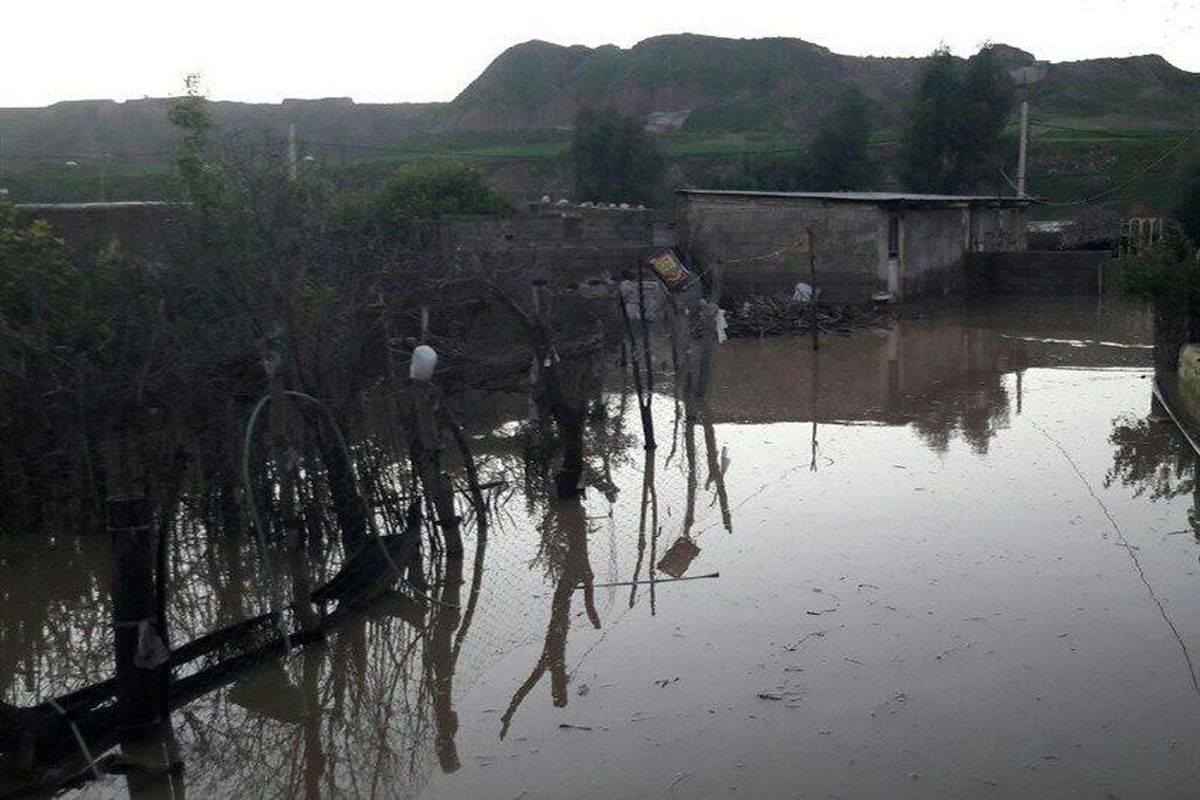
<point x="955" y="560"/>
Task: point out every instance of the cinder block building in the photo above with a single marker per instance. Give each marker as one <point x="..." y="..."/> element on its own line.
<point x="859" y="245"/>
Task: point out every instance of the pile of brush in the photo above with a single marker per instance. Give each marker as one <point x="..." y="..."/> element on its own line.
<point x="780" y="315"/>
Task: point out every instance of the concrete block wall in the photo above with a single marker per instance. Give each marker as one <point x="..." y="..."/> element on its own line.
<point x="1188" y="383"/>
<point x="755" y="240"/>
<point x="998" y="230"/>
<point x="573" y="244"/>
<point x="142" y="229"/>
<point x="752" y="236"/>
<point x="934" y="242"/>
<point x="1045" y="272"/>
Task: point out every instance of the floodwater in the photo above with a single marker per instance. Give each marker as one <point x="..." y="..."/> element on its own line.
<point x="952" y="559"/>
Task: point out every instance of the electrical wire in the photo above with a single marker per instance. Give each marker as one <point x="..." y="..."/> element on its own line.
<point x="1086" y="201"/>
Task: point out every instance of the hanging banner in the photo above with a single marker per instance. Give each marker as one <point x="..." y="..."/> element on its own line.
<point x="670" y="270"/>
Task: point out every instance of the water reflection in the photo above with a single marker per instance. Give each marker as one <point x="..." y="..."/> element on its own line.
<point x="367" y="707"/>
<point x="373" y="709"/>
<point x="564" y="557"/>
<point x="1152" y="459"/>
<point x="943" y="375"/>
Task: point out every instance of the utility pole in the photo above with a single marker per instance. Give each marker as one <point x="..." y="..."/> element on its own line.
<point x="292" y="164"/>
<point x="1023" y="147"/>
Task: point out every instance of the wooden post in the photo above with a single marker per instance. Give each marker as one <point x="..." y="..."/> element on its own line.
<point x="648" y="518"/>
<point x="561" y="386"/>
<point x="643" y="404"/>
<point x="140" y="655"/>
<point x="133" y="584"/>
<point x="702" y="351"/>
<point x="440" y="659"/>
<point x="314" y="756"/>
<point x="715" y="472"/>
<point x="645" y="333"/>
<point x="134" y="610"/>
<point x="426" y="458"/>
<point x="812" y="278"/>
<point x="450" y="420"/>
<point x="677" y="329"/>
<point x="564" y="387"/>
<point x="689" y="452"/>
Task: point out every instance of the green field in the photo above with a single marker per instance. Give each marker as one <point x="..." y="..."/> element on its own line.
<point x="1076" y="167"/>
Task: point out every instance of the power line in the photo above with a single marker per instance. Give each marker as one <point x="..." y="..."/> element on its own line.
<point x="1108" y="133"/>
<point x="1084" y="201"/>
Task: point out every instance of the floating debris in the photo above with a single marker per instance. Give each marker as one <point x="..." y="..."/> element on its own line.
<point x="892" y="706"/>
<point x="780" y="315"/>
<point x="791" y="648"/>
<point x="679" y="776"/>
<point x="957" y="647"/>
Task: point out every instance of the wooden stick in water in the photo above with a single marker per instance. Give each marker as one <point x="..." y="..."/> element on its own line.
<point x="656" y="581"/>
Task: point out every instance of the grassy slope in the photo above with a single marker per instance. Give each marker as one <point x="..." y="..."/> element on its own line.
<point x="1115" y="166"/>
<point x="1069" y="159"/>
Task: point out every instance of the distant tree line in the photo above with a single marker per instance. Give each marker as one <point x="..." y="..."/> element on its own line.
<point x="951" y="143"/>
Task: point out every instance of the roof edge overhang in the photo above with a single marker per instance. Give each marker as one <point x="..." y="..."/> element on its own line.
<point x="891" y="199"/>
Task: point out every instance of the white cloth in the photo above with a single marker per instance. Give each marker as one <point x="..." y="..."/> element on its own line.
<point x="803" y="293"/>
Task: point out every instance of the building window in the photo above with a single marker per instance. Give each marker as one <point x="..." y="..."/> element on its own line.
<point x="894" y="236"/>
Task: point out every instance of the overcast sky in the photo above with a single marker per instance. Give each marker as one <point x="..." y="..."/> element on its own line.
<point x="262" y="50"/>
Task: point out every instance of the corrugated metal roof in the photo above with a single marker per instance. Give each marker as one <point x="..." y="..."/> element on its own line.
<point x="97" y="206"/>
<point x="864" y="197"/>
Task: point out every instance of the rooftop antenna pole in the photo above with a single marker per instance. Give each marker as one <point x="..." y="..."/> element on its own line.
<point x="1023" y="147"/>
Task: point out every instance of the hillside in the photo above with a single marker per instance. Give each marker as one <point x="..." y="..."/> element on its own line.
<point x="697" y="84"/>
<point x="710" y="84"/>
<point x="720" y="106"/>
<point x="137" y="131"/>
<point x="701" y="83"/>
